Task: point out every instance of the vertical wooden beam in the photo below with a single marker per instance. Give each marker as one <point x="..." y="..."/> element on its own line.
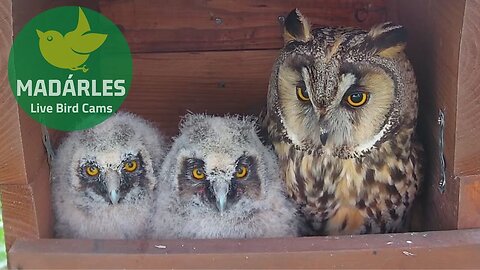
<point x="12" y="165"/>
<point x="467" y="140"/>
<point x="24" y="173"/>
<point x="435" y="31"/>
<point x="17" y="199"/>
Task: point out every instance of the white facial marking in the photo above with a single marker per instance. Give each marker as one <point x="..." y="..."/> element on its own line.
<point x="369" y="144"/>
<point x="306" y="79"/>
<point x="218" y="160"/>
<point x="346" y="81"/>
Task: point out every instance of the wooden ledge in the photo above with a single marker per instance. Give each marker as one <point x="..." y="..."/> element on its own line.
<point x="443" y="249"/>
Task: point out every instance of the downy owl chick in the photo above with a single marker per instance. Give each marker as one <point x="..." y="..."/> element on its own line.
<point x="103" y="179"/>
<point x="219" y="181"/>
<point x="342" y="109"/>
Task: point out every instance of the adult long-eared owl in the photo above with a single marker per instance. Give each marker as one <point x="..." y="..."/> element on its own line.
<point x="342" y="109"/>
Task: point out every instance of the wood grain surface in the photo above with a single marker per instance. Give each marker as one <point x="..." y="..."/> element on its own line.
<point x="433" y="250"/>
<point x="469" y="202"/>
<point x="467" y="140"/>
<point x="435" y="29"/>
<point x="24" y="172"/>
<point x="168" y="85"/>
<point x="26" y="209"/>
<point x="12" y="165"/>
<point x="18" y="210"/>
<point x="25" y="10"/>
<point x="20" y="135"/>
<point x="227" y="25"/>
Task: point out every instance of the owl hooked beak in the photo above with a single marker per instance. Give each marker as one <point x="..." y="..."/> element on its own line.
<point x="220" y="190"/>
<point x="114" y="196"/>
<point x="113" y="182"/>
<point x="322" y="124"/>
<point x="324" y="138"/>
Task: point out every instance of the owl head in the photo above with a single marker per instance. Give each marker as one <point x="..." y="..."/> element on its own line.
<point x="341" y="91"/>
<point x="218" y="165"/>
<point x="113" y="163"/>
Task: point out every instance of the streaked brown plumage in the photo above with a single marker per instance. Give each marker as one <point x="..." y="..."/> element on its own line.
<point x="350" y="169"/>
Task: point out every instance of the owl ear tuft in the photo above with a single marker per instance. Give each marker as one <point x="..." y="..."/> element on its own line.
<point x="296" y="27"/>
<point x="388" y="39"/>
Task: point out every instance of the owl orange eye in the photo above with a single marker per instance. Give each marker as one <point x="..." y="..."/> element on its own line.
<point x="198" y="174"/>
<point x="130" y="166"/>
<point x="357" y="99"/>
<point x="242" y="171"/>
<point x="92" y="170"/>
<point x="302" y="93"/>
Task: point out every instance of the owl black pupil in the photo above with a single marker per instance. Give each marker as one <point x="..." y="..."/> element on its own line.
<point x="357" y="97"/>
<point x="304" y="93"/>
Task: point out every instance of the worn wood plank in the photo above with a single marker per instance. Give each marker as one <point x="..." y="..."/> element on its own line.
<point x="392" y="10"/>
<point x="18" y="211"/>
<point x="168" y="85"/>
<point x="449" y="249"/>
<point x="227" y="25"/>
<point x="467" y="141"/>
<point x="42" y="202"/>
<point x="435" y="29"/>
<point x="12" y="166"/>
<point x="25" y="10"/>
<point x="26" y="209"/>
<point x="469" y="202"/>
<point x="35" y="155"/>
<point x="26" y="154"/>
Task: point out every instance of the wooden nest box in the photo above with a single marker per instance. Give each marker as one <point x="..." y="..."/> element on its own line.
<point x="216" y="57"/>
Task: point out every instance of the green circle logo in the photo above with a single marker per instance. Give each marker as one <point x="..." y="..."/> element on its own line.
<point x="70" y="68"/>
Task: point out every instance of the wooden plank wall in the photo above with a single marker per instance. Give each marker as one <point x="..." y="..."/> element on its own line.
<point x="467" y="141"/>
<point x="468" y="99"/>
<point x="25" y="10"/>
<point x="168" y="85"/>
<point x="214" y="56"/>
<point x="443" y="44"/>
<point x="24" y="172"/>
<point x="433" y="46"/>
<point x="203" y="25"/>
<point x="11" y="172"/>
<point x="16" y="167"/>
